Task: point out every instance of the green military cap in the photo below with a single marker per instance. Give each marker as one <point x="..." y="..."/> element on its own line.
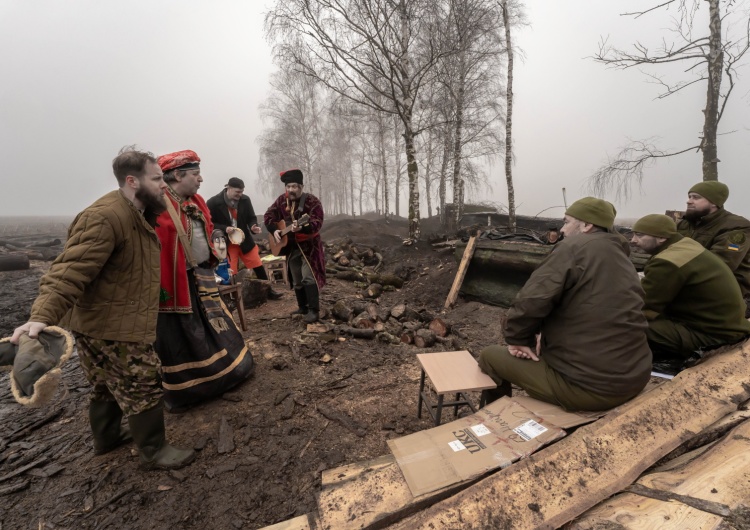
<point x="592" y="210"/>
<point x="713" y="190"/>
<point x="656" y="225"/>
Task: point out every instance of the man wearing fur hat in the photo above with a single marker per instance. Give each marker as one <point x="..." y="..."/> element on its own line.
<point x="232" y="212"/>
<point x="693" y="302"/>
<point x="105" y="286"/>
<point x="304" y="251"/>
<point x="725" y="234"/>
<point x="587" y="303"/>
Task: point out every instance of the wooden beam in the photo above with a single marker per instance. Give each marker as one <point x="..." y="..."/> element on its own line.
<point x="701" y="491"/>
<point x="461" y="273"/>
<point x="557" y="484"/>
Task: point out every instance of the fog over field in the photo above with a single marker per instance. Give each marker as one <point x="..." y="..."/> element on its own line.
<point x="82" y="78"/>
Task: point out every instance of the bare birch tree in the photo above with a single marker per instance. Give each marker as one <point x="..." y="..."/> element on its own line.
<point x="709" y="56"/>
<point x="361" y="47"/>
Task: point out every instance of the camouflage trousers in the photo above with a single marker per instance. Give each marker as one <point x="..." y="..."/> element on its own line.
<point x="125" y="372"/>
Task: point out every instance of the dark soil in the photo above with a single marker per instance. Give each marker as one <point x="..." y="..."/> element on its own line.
<point x="282" y="440"/>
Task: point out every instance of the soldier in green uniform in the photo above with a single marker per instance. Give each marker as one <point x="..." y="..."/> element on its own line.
<point x="104" y="287"/>
<point x="586" y="301"/>
<point x="693" y="302"/>
<point x="725" y="234"/>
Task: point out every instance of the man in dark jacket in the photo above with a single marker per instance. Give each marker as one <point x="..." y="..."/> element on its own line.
<point x="232" y="212"/>
<point x="725" y="234"/>
<point x="587" y="303"/>
<point x="693" y="302"/>
<point x="105" y="285"/>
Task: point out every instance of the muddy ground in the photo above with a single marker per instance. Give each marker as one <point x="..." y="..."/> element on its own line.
<point x="282" y="441"/>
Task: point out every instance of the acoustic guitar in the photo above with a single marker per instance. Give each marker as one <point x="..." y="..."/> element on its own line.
<point x="281" y="225"/>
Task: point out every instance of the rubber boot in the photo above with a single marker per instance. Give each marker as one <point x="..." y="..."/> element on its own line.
<point x="148" y="432"/>
<point x="260" y="272"/>
<point x="301" y="301"/>
<point x="106" y="426"/>
<point x="313" y="304"/>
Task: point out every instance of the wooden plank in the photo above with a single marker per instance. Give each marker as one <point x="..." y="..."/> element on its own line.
<point x="454" y="371"/>
<point x="298" y="523"/>
<point x="633" y="512"/>
<point x="461" y="273"/>
<point x="371" y="494"/>
<point x="711" y="485"/>
<point x="557" y="484"/>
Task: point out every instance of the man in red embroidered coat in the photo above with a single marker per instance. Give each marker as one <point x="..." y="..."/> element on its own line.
<point x="202" y="354"/>
<point x="304" y="250"/>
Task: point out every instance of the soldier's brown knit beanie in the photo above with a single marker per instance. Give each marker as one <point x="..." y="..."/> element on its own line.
<point x="713" y="190"/>
<point x="656" y="225"/>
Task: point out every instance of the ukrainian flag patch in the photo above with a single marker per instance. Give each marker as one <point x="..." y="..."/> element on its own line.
<point x="733" y="246"/>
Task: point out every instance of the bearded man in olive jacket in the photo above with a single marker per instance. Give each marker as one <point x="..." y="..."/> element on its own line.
<point x="104" y="286"/>
<point x="693" y="302"/>
<point x="586" y="301"/>
<point x="725" y="234"/>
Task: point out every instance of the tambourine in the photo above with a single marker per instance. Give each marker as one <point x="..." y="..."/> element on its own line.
<point x="237" y="236"/>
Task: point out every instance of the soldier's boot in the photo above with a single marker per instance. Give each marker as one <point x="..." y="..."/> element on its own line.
<point x="313" y="303"/>
<point x="301" y="301"/>
<point x="106" y="426"/>
<point x="149" y="434"/>
<point x="493" y="394"/>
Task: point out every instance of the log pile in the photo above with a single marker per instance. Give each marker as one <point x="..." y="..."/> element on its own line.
<point x="400" y="324"/>
<point x="361" y="265"/>
<point x="15" y="252"/>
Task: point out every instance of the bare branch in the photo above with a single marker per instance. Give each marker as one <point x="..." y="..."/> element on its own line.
<point x="625" y="170"/>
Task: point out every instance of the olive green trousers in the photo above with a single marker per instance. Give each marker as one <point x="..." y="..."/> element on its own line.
<point x="542" y="382"/>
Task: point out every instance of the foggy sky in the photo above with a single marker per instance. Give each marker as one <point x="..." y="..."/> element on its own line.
<point x="80" y="79"/>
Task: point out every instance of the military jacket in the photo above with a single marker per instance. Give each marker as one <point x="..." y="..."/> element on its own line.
<point x="586" y="300"/>
<point x="728" y="236"/>
<point x="686" y="283"/>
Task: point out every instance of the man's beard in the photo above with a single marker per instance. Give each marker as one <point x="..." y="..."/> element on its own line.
<point x="151" y="202"/>
<point x="696" y="215"/>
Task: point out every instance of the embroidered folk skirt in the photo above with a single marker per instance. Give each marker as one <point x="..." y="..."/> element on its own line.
<point x="202" y="353"/>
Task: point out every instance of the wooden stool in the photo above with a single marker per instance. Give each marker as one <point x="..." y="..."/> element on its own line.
<point x="234" y="291"/>
<point x="276" y="265"/>
<point x="450" y="372"/>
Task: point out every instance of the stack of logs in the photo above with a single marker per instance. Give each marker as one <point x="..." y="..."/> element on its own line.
<point x="360" y="264"/>
<point x="395" y="325"/>
<point x="15" y="254"/>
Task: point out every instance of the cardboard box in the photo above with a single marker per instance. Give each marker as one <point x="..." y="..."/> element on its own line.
<point x="494" y="437"/>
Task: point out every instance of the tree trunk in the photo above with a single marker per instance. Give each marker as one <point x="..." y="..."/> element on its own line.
<point x="443" y="178"/>
<point x="397" y="170"/>
<point x="713" y="93"/>
<point x="383" y="163"/>
<point x="509" y="122"/>
<point x="428" y="174"/>
<point x="457" y="181"/>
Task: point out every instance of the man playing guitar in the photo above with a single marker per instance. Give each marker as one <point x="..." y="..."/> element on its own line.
<point x="297" y="216"/>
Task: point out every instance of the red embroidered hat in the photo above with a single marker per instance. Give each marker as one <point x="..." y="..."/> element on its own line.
<point x="180" y="160"/>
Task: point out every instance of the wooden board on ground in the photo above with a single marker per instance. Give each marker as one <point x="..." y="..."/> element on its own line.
<point x="559" y="483"/>
<point x="461" y="273"/>
<point x="701" y="491"/>
<point x="374" y="493"/>
<point x="370" y="494"/>
<point x="298" y="523"/>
